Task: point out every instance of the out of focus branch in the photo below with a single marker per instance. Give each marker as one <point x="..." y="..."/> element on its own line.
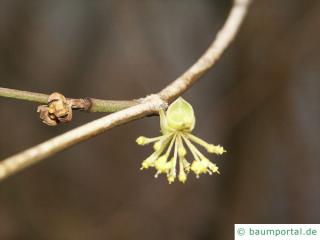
<point x="148" y="105"/>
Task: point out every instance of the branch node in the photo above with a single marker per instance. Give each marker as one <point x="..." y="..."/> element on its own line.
<point x="82" y="104"/>
<point x="157" y="101"/>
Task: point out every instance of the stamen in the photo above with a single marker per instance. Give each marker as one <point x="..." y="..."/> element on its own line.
<point x="211" y="167"/>
<point x="203" y="165"/>
<point x="164" y="140"/>
<point x="182" y="174"/>
<point x="144" y="140"/>
<point x="181" y="153"/>
<point x="172" y="173"/>
<point x="149" y="162"/>
<point x="171" y="144"/>
<point x="186" y="165"/>
<point x="161" y="163"/>
<point x="157" y="174"/>
<point x="191" y="147"/>
<point x="181" y="149"/>
<point x="210" y="147"/>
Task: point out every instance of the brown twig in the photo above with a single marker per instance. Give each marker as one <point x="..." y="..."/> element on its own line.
<point x="148" y="105"/>
<point x="26" y="158"/>
<point x="209" y="58"/>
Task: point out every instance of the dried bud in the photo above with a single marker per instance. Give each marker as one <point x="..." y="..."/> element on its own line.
<point x="59" y="107"/>
<point x="58" y="110"/>
<point x="45" y="117"/>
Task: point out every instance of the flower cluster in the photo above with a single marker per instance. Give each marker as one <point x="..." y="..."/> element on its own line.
<point x="176" y="125"/>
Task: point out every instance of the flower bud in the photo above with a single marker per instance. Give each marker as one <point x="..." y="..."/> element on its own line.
<point x="180" y="116"/>
<point x="141" y="140"/>
<point x="215" y="149"/>
<point x="182" y="177"/>
<point x="198" y="168"/>
<point x="161" y="164"/>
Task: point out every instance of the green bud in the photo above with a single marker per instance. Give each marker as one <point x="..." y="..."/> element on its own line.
<point x="180" y="116"/>
<point x="141" y="140"/>
<point x="182" y="177"/>
<point x="157" y="145"/>
<point x="161" y="164"/>
<point x="215" y="149"/>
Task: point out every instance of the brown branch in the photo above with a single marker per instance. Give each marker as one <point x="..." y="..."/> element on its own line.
<point x="28" y="157"/>
<point x="223" y="39"/>
<point x="148" y="105"/>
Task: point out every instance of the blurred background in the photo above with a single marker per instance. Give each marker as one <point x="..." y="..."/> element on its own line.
<point x="261" y="101"/>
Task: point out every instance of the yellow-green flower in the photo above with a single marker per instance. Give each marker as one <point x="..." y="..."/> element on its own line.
<point x="170" y="152"/>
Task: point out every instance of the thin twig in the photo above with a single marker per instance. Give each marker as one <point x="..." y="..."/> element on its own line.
<point x="24" y="95"/>
<point x="95" y="105"/>
<point x="28" y="157"/>
<point x="98" y="105"/>
<point x="223" y="39"/>
<point x="149" y="105"/>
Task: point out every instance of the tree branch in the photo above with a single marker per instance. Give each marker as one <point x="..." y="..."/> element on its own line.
<point x="24" y="95"/>
<point x="209" y="58"/>
<point x="87" y="104"/>
<point x="28" y="157"/>
<point x="148" y="105"/>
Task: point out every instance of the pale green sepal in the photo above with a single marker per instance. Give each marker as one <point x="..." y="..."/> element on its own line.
<point x="163" y="122"/>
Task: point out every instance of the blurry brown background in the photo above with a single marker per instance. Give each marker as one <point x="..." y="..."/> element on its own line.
<point x="261" y="101"/>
